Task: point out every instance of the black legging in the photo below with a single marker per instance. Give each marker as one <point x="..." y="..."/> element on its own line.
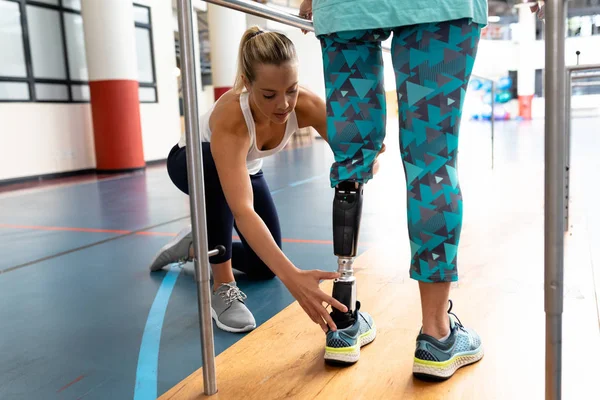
<point x="219" y="219"/>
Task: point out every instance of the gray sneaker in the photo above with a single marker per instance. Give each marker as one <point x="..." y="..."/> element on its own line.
<point x="176" y="251"/>
<point x="229" y="311"/>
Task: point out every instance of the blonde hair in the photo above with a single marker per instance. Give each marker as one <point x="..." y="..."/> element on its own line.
<point x="261" y="47"/>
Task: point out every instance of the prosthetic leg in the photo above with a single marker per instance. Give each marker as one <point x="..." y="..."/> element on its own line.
<point x="347" y="211"/>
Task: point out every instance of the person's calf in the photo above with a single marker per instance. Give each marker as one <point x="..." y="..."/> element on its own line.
<point x="434" y="308"/>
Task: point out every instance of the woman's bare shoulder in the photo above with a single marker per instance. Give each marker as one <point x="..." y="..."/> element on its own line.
<point x="310" y="108"/>
<point x="227" y="116"/>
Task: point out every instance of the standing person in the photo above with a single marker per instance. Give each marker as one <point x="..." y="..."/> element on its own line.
<point x="433" y="51"/>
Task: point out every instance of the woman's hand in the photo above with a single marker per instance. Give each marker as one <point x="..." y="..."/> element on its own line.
<point x="305" y="11"/>
<point x="304" y="286"/>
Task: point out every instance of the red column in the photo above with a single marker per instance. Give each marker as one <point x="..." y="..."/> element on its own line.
<point x="112" y="68"/>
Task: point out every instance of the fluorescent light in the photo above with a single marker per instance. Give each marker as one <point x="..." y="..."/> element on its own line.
<point x="494" y="18"/>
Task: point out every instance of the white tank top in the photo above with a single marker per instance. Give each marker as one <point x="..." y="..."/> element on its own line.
<point x="255" y="155"/>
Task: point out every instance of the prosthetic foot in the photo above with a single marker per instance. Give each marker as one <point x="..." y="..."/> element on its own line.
<point x="347" y="211"/>
<point x="355" y="328"/>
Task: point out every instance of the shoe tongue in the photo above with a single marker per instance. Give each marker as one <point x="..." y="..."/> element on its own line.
<point x="225" y="286"/>
<point x="452" y="319"/>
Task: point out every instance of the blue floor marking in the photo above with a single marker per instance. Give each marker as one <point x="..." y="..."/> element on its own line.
<point x="147" y="369"/>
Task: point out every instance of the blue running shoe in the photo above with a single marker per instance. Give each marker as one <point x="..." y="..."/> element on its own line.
<point x="343" y="346"/>
<point x="436" y="360"/>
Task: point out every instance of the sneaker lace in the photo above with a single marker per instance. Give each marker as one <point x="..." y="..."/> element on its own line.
<point x="186" y="258"/>
<point x="179" y="263"/>
<point x="460" y="325"/>
<point x="232" y="293"/>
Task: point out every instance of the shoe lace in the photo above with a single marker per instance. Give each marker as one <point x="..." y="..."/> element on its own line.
<point x="232" y="293"/>
<point x="460" y="325"/>
<point x="183" y="260"/>
<point x="179" y="263"/>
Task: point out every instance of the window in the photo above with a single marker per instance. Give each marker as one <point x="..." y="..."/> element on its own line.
<point x="145" y="54"/>
<point x="75" y="46"/>
<point x="13" y="67"/>
<point x="43" y="52"/>
<point x="72" y="4"/>
<point x="45" y="42"/>
<point x="14" y="91"/>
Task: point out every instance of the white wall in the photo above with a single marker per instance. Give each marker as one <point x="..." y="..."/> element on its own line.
<point x="37" y="139"/>
<point x="495" y="57"/>
<point x="45" y="138"/>
<point x="160" y="121"/>
<point x="310" y="61"/>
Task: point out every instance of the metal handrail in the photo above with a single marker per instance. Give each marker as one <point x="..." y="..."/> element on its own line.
<point x="196" y="184"/>
<point x="273" y="14"/>
<point x="555" y="161"/>
<point x="585" y="76"/>
<point x="583" y="67"/>
<point x="573" y="73"/>
<point x="554" y="176"/>
<point x="585" y="84"/>
<point x="261" y="10"/>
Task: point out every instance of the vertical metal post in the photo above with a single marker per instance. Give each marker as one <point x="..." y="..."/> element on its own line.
<point x="196" y="184"/>
<point x="553" y="193"/>
<point x="567" y="188"/>
<point x="492" y="118"/>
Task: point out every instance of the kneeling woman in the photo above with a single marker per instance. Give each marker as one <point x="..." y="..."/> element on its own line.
<point x="241" y="128"/>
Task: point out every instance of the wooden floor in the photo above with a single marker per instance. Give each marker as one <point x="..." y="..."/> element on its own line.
<point x="500" y="294"/>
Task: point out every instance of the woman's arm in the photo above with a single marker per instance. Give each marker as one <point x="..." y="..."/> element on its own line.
<point x="311" y="111"/>
<point x="229" y="152"/>
<point x="229" y="149"/>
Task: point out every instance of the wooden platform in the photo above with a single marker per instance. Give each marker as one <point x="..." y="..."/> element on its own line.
<point x="500" y="294"/>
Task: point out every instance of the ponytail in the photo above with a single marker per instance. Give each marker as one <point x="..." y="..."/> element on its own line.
<point x="261" y="47"/>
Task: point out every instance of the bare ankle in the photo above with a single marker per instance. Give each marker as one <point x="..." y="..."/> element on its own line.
<point x="222" y="273"/>
<point x="437" y="329"/>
